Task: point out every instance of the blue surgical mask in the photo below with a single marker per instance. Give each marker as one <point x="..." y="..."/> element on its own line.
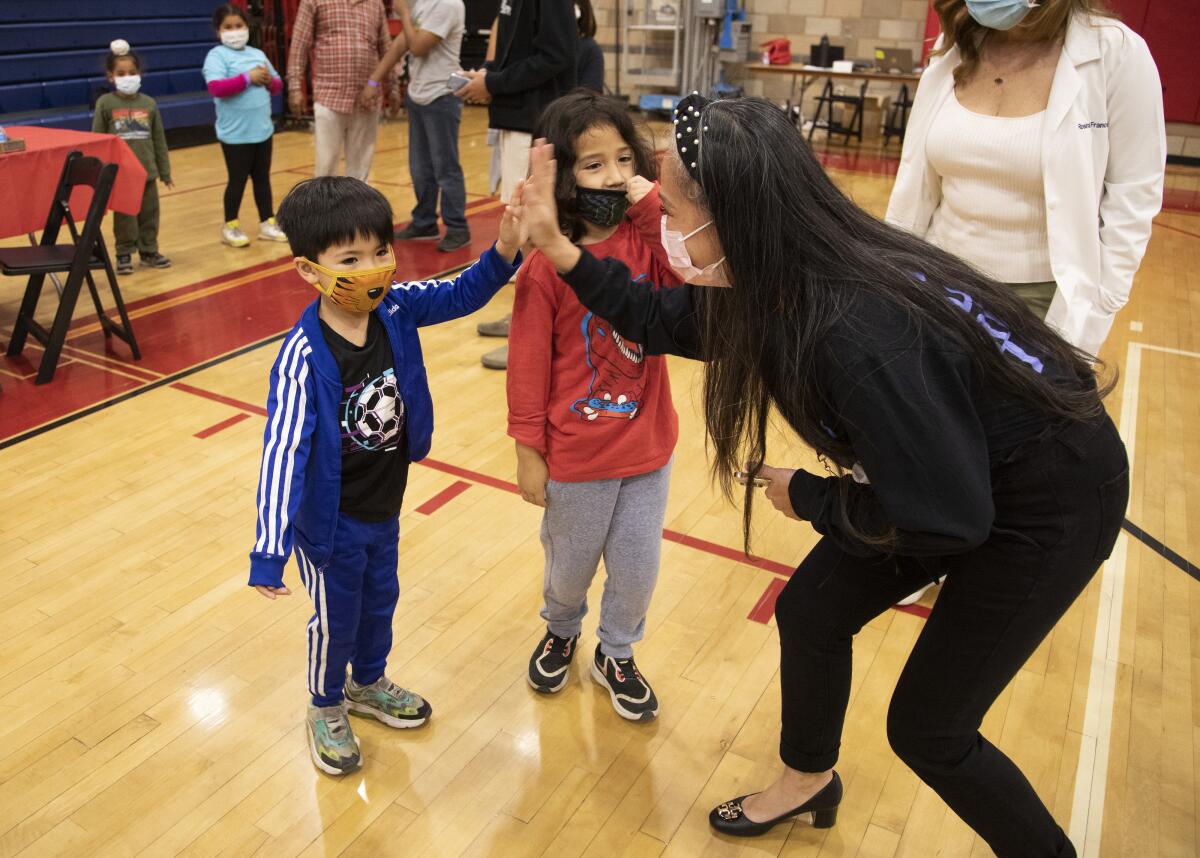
<point x="999" y="14"/>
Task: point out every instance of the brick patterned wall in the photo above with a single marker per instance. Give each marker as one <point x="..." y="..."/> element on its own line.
<point x="858" y="25"/>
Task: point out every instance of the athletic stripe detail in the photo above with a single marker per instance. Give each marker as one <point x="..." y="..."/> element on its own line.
<point x="313" y="628"/>
<point x="279" y="456"/>
<point x="322" y="664"/>
<point x="264" y="474"/>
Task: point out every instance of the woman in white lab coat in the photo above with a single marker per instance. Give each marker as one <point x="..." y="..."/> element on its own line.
<point x="1036" y="151"/>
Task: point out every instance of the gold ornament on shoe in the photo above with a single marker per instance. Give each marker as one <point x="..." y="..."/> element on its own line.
<point x="729" y="810"/>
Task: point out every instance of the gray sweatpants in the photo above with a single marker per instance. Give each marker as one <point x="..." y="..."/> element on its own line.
<point x="622" y="521"/>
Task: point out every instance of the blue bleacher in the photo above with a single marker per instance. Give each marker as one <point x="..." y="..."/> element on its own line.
<point x="59" y="70"/>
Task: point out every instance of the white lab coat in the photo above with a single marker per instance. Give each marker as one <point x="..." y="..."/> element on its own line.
<point x="1103" y="155"/>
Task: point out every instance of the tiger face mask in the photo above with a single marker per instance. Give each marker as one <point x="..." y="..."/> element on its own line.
<point x="359" y="291"/>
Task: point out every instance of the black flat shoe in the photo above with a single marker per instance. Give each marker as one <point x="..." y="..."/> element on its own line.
<point x="729" y="818"/>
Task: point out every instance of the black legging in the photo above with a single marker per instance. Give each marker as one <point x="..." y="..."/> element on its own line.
<point x="248" y="160"/>
<point x="1059" y="507"/>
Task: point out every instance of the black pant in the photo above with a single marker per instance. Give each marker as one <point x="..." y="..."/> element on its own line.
<point x="1059" y="504"/>
<point x="248" y="160"/>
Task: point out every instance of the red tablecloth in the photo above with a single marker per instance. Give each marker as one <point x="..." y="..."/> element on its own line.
<point x="28" y="179"/>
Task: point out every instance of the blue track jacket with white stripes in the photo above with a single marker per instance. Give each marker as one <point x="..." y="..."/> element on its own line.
<point x="300" y="480"/>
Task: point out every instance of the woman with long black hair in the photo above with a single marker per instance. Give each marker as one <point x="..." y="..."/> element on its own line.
<point x="963" y="435"/>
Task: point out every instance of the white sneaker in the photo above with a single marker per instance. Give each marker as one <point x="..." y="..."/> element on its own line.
<point x="232" y="235"/>
<point x="268" y="230"/>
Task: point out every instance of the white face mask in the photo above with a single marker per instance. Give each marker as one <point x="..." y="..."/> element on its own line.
<point x="129" y="84"/>
<point x="235" y="39"/>
<point x="673" y="241"/>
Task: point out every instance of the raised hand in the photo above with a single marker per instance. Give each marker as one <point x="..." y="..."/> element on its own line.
<point x="540" y="210"/>
<point x="637" y="188"/>
<point x="513" y="233"/>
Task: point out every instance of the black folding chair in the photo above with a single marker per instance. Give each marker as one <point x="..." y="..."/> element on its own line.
<point x="825" y="104"/>
<point x="897" y="121"/>
<point x="78" y="260"/>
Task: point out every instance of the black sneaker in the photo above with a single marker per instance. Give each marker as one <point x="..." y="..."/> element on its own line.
<point x="550" y="664"/>
<point x="631" y="694"/>
<point x="412" y="233"/>
<point x="125" y="264"/>
<point x="455" y="240"/>
<point x="154" y="260"/>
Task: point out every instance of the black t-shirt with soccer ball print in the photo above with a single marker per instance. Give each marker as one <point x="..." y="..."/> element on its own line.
<point x="371" y="417"/>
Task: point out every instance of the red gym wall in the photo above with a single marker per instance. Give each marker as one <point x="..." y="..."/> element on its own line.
<point x="1172" y="30"/>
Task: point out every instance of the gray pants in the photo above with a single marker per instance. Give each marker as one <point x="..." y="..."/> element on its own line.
<point x="622" y="521"/>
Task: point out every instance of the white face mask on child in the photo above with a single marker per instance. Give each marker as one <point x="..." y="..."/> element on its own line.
<point x="128" y="84"/>
<point x="673" y="241"/>
<point x="235" y="39"/>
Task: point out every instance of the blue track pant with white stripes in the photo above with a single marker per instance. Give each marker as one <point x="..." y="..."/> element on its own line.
<point x="354" y="596"/>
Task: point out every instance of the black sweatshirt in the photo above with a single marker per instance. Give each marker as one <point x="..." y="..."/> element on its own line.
<point x="924" y="426"/>
<point x="535" y="61"/>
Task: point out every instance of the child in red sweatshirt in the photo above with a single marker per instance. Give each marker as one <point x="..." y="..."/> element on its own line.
<point x="591" y="414"/>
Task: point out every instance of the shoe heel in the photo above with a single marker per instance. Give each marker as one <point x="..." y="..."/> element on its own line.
<point x="825" y="818"/>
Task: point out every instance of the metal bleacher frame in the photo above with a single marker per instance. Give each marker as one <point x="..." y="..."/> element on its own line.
<point x="56" y="71"/>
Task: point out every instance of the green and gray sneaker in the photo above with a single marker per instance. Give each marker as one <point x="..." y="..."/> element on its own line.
<point x="386" y="701"/>
<point x="331" y="742"/>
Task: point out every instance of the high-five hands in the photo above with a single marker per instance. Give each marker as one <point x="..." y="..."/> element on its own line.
<point x="540" y="211"/>
<point x="513" y="233"/>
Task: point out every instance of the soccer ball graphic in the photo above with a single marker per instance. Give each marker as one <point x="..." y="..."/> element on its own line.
<point x="374" y="421"/>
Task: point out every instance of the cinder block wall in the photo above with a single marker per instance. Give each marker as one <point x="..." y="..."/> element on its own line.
<point x="858" y="25"/>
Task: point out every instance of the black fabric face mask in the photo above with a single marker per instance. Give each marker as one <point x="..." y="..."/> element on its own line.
<point x="601" y="206"/>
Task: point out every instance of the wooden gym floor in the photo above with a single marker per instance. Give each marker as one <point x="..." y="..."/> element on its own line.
<point x="151" y="704"/>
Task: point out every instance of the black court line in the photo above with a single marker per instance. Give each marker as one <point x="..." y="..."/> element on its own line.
<point x="1161" y="549"/>
<point x="171" y="379"/>
<point x="138" y="391"/>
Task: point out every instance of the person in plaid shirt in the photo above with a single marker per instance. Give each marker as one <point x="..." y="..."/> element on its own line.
<point x="346" y="39"/>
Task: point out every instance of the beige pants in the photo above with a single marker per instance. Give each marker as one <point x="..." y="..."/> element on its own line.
<point x="355" y="131"/>
<point x="514" y="161"/>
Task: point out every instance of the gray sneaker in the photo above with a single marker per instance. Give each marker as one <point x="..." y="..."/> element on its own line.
<point x="498" y="328"/>
<point x="331" y="742"/>
<point x="497" y="359"/>
<point x="386" y="701"/>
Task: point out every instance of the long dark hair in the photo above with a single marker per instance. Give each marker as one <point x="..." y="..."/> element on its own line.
<point x="563" y="122"/>
<point x="799" y="253"/>
<point x="586" y="20"/>
<point x="1046" y="23"/>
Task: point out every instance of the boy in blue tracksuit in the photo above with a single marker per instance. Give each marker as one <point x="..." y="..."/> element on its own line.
<point x="347" y="411"/>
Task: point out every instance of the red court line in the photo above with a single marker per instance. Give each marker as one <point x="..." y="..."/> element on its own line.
<point x="224" y="400"/>
<point x="473" y="476"/>
<point x="728" y="553"/>
<point x="443" y="497"/>
<point x="224" y="424"/>
<point x="764" y="608"/>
